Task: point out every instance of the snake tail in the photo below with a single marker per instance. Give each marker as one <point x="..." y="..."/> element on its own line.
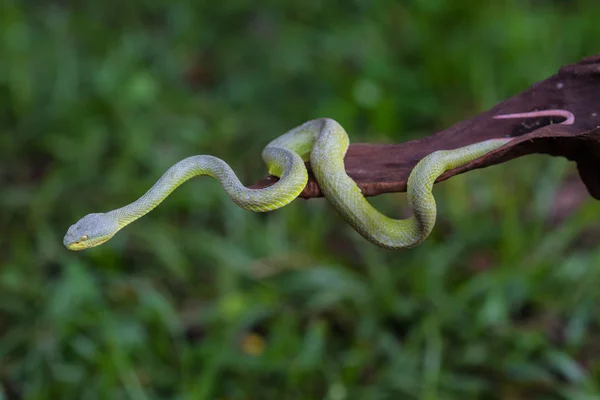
<point x="345" y="196"/>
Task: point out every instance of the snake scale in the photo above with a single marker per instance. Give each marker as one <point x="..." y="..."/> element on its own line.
<point x="324" y="142"/>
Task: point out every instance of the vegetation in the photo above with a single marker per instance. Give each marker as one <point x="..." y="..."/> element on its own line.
<point x="201" y="300"/>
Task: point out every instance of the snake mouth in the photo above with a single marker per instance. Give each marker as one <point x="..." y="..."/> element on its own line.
<point x="86" y="244"/>
<point x="76" y="246"/>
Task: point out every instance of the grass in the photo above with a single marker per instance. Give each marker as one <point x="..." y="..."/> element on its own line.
<point x="201" y="300"/>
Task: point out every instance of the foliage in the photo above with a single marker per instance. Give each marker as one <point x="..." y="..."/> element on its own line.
<point x="201" y="300"/>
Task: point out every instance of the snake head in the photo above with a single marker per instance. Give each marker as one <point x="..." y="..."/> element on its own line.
<point x="90" y="231"/>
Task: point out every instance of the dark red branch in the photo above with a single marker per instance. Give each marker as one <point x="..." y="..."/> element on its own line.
<point x="385" y="168"/>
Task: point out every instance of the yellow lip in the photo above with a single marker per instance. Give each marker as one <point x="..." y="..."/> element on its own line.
<point x="82" y="245"/>
<point x="76" y="246"/>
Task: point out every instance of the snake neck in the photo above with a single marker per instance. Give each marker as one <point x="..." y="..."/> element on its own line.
<point x="287" y="164"/>
<point x="169" y="181"/>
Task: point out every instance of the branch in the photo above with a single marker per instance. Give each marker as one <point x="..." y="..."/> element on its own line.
<point x="385" y="168"/>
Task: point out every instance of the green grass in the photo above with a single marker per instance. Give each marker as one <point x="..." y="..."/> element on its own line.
<point x="98" y="100"/>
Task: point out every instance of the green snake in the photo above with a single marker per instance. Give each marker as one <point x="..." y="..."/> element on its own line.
<point x="324" y="142"/>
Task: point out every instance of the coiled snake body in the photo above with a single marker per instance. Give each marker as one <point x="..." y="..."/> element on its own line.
<point x="324" y="142"/>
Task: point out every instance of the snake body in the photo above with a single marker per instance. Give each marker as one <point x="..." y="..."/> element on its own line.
<point x="325" y="143"/>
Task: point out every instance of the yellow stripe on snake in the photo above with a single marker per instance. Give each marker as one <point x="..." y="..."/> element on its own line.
<point x="325" y="143"/>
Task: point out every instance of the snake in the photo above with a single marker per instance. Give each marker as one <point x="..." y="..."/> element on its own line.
<point x="324" y="143"/>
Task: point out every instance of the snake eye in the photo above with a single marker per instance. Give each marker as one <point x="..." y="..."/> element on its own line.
<point x="84" y="237"/>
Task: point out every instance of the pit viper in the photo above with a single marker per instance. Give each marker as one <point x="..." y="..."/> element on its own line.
<point x="324" y="142"/>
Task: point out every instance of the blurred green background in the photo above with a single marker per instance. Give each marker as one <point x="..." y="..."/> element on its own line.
<point x="202" y="300"/>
